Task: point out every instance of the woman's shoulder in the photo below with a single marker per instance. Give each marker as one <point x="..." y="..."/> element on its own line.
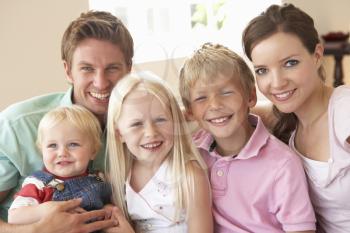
<point x="264" y="109"/>
<point x="341" y="92"/>
<point x="340" y="98"/>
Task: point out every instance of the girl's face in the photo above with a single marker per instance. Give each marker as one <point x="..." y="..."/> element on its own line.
<point x="286" y="73"/>
<point x="146" y="127"/>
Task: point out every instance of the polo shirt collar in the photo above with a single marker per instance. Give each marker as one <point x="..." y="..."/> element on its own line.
<point x="206" y="140"/>
<point x="257" y="141"/>
<point x="252" y="148"/>
<point x="67" y="98"/>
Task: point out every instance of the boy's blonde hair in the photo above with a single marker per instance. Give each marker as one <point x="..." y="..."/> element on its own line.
<point x="207" y="63"/>
<point x="180" y="157"/>
<point x="77" y="115"/>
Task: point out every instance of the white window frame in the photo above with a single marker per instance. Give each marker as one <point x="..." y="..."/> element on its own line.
<point x="161" y="29"/>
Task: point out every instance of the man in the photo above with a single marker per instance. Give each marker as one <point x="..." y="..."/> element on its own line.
<point x="97" y="51"/>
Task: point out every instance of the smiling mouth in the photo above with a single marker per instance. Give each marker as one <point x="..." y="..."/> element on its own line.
<point x="220" y="120"/>
<point x="152" y="146"/>
<point x="100" y="96"/>
<point x="64" y="163"/>
<point x="284" y="95"/>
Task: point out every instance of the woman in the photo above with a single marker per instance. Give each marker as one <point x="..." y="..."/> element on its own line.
<point x="286" y="52"/>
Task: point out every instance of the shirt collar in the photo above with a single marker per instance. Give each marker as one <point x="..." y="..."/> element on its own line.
<point x="258" y="139"/>
<point x="252" y="148"/>
<point x="67" y="98"/>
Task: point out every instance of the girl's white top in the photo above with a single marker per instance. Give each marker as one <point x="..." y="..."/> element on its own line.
<point x="153" y="208"/>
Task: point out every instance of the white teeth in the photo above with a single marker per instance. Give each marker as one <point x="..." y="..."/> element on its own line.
<point x="151" y="145"/>
<point x="283" y="95"/>
<point x="219" y="120"/>
<point x="99" y="95"/>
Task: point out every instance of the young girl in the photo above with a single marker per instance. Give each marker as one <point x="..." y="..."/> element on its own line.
<point x="69" y="138"/>
<point x="158" y="178"/>
<point x="286" y="52"/>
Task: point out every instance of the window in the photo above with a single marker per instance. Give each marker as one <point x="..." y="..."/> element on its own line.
<point x="166" y="29"/>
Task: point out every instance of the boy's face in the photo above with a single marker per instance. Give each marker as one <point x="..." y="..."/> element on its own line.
<point x="220" y="106"/>
<point x="66" y="150"/>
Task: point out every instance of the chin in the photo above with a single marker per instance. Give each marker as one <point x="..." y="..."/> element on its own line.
<point x="222" y="135"/>
<point x="285" y="109"/>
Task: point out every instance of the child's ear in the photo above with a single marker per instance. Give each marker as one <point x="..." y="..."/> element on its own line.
<point x="188" y="115"/>
<point x="93" y="154"/>
<point x="252" y="98"/>
<point x="118" y="136"/>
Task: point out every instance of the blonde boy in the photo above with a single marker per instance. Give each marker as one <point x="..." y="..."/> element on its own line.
<point x="258" y="184"/>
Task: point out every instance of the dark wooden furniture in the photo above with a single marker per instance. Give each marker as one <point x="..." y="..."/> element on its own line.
<point x="338" y="50"/>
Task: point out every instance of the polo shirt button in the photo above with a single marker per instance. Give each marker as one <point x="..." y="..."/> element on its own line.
<point x="220" y="173"/>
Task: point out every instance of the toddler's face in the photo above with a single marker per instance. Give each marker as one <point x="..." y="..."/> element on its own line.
<point x="220" y="106"/>
<point x="66" y="150"/>
<point x="146" y="126"/>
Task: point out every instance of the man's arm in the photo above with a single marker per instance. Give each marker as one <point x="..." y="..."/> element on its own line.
<point x="60" y="220"/>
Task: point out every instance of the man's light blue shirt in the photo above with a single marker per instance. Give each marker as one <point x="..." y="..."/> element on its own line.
<point x="19" y="155"/>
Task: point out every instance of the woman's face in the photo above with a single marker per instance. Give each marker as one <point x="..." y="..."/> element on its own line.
<point x="286" y="72"/>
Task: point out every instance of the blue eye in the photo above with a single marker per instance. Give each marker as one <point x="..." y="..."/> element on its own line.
<point x="136" y="124"/>
<point x="73" y="145"/>
<point x="200" y="98"/>
<point x="226" y="93"/>
<point x="113" y="69"/>
<point x="87" y="69"/>
<point x="291" y="63"/>
<point x="160" y="119"/>
<point x="260" y="71"/>
<point x="52" y="146"/>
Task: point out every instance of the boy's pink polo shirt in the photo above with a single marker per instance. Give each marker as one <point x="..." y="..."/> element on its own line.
<point x="262" y="189"/>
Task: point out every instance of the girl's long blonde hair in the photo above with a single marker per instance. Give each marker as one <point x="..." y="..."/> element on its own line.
<point x="180" y="157"/>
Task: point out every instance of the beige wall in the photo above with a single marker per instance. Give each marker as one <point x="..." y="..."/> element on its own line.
<point x="31" y="31"/>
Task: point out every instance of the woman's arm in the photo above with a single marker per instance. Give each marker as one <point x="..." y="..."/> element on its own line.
<point x="200" y="218"/>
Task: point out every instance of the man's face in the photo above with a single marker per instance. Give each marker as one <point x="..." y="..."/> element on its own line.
<point x="97" y="66"/>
